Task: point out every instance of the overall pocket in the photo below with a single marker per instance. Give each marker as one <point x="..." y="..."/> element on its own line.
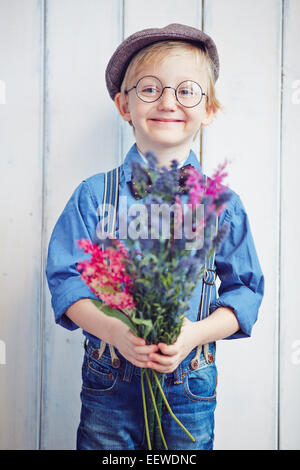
<point x="201" y="384"/>
<point x="99" y="377"/>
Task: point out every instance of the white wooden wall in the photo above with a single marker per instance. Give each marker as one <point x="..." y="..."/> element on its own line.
<point x="58" y="126"/>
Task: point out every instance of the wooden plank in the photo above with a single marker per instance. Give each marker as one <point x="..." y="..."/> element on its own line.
<point x="248" y="37"/>
<point x="21" y="26"/>
<point x="290" y="233"/>
<point x="157" y="14"/>
<point x="81" y="139"/>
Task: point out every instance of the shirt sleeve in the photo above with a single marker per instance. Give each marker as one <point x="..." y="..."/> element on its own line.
<point x="238" y="268"/>
<point x="78" y="220"/>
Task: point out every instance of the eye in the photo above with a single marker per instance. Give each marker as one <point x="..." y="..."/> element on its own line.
<point x="150" y="90"/>
<point x="186" y="91"/>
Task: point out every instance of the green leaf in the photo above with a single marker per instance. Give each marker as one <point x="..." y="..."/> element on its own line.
<point x="112" y="312"/>
<point x="147" y="323"/>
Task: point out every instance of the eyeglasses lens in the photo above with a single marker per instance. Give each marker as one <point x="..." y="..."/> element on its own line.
<point x="189" y="93"/>
<point x="149" y="89"/>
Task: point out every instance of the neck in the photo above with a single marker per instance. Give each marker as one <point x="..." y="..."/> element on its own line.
<point x="166" y="155"/>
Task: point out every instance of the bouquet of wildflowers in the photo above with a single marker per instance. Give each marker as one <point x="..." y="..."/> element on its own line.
<point x="147" y="281"/>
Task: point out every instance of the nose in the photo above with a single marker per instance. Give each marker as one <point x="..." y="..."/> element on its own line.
<point x="168" y="99"/>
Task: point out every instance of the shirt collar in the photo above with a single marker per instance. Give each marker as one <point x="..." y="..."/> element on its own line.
<point x="134" y="155"/>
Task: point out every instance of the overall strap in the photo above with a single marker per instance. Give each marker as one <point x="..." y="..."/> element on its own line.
<point x="109" y="208"/>
<point x="110" y="201"/>
<point x="209" y="279"/>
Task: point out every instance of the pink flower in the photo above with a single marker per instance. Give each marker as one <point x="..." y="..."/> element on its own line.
<point x="213" y="187"/>
<point x="106" y="275"/>
<point x="214" y="184"/>
<point x="196" y="184"/>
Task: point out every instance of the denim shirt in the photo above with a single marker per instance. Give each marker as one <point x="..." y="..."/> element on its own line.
<point x="236" y="262"/>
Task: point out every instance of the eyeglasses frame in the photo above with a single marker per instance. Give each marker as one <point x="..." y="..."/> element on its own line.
<point x="163" y="89"/>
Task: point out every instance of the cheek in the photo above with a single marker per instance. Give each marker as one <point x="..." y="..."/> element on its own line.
<point x="138" y="114"/>
<point x="196" y="117"/>
<point x="135" y="119"/>
<point x="194" y="120"/>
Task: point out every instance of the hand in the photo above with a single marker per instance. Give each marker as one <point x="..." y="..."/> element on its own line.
<point x="172" y="355"/>
<point x="133" y="348"/>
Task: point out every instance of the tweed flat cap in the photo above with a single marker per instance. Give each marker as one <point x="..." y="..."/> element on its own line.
<point x="120" y="59"/>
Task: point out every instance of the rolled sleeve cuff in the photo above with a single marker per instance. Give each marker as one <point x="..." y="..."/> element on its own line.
<point x="69" y="291"/>
<point x="244" y="308"/>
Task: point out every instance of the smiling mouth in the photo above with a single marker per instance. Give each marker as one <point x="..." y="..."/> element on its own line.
<point x="166" y="120"/>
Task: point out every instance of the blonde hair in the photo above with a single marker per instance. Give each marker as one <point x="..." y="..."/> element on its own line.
<point x="158" y="51"/>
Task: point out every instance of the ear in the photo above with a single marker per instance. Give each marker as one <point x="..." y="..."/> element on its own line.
<point x="121" y="103"/>
<point x="208" y="117"/>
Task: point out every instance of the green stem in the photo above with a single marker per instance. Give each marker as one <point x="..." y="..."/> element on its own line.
<point x="156" y="410"/>
<point x="145" y="411"/>
<point x="169" y="408"/>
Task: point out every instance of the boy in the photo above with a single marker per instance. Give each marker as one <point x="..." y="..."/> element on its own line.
<point x="162" y="82"/>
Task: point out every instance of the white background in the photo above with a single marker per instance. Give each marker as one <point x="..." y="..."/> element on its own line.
<point x="59" y="126"/>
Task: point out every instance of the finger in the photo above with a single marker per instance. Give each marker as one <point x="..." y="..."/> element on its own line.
<point x="137" y="360"/>
<point x="148" y="349"/>
<point x="169" y="349"/>
<point x="137" y="356"/>
<point x="160" y="359"/>
<point x="137" y="363"/>
<point x="141" y="358"/>
<point x="136" y="340"/>
<point x="161" y="368"/>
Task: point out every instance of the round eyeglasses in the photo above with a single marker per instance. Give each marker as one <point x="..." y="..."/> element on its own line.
<point x="149" y="89"/>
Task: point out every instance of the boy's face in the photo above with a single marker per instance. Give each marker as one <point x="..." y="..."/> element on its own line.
<point x="166" y="123"/>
